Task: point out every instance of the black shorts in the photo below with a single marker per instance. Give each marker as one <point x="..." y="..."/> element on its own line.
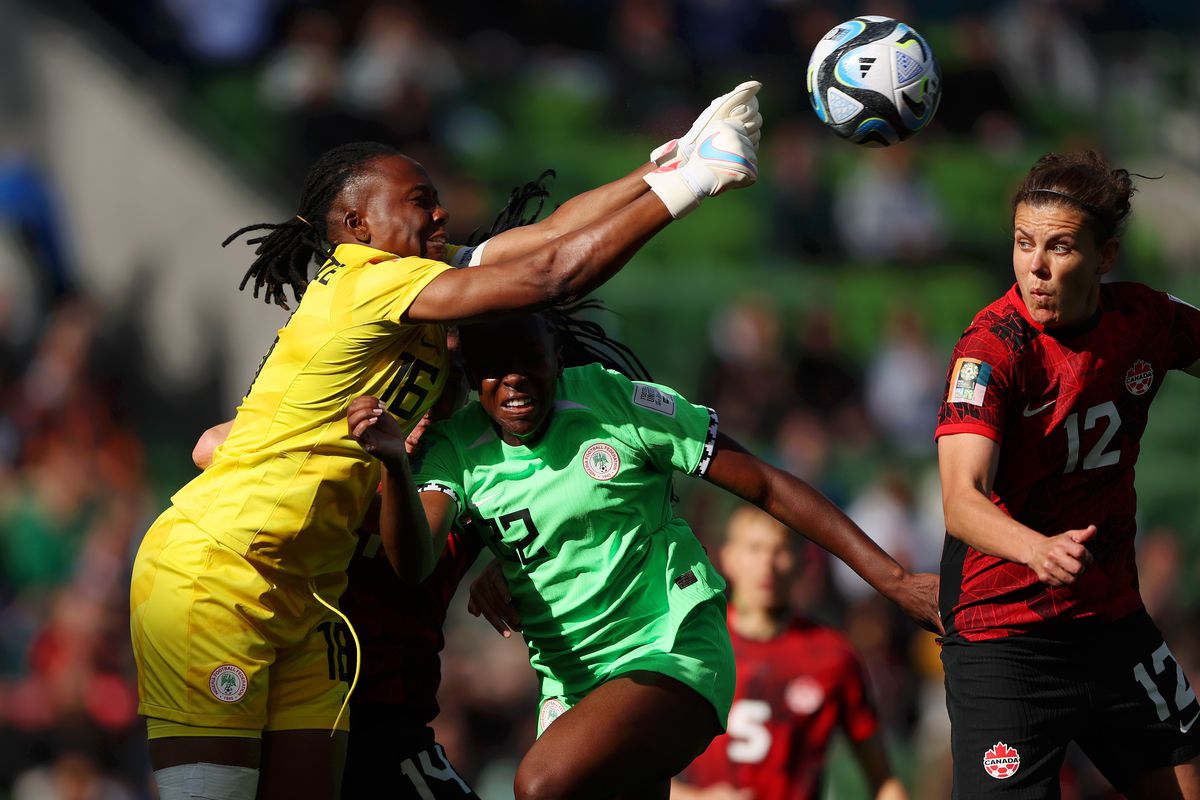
<point x="1016" y="703"/>
<point x="389" y="759"/>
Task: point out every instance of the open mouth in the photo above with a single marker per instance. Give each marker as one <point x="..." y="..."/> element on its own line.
<point x="519" y="407"/>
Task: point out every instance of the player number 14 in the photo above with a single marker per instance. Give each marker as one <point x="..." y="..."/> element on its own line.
<point x="1096" y="457"/>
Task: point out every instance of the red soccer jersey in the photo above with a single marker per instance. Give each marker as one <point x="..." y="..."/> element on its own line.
<point x="792" y="692"/>
<point x="1068" y="408"/>
<point x="400" y="627"/>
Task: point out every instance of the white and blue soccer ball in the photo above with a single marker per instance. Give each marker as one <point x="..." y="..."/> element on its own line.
<point x="874" y="81"/>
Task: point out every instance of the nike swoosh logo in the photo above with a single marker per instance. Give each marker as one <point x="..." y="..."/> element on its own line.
<point x="709" y="150"/>
<point x="1029" y="412"/>
<point x="1185" y="728"/>
<point x="483" y="498"/>
<point x="427" y="343"/>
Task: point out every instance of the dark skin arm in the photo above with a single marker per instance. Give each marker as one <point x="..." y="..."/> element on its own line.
<point x="403" y="522"/>
<point x="565" y="268"/>
<point x="805" y="510"/>
<point x="491" y="599"/>
<point x="578" y="212"/>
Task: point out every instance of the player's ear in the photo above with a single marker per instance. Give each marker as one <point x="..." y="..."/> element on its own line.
<point x="356" y="225"/>
<point x="1108" y="254"/>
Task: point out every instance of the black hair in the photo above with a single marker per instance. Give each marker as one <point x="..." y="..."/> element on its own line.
<point x="286" y="251"/>
<point x="1083" y="181"/>
<point x="582" y="341"/>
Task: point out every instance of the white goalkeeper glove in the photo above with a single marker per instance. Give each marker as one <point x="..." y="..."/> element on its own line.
<point x="741" y="105"/>
<point x="724" y="158"/>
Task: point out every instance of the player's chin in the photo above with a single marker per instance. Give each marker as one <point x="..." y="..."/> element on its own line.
<point x="522" y="421"/>
<point x="435" y="249"/>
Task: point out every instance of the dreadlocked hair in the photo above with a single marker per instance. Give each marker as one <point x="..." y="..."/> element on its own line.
<point x="583" y="341"/>
<point x="516" y="212"/>
<point x="286" y="250"/>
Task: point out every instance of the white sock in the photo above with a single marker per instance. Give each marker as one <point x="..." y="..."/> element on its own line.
<point x="206" y="782"/>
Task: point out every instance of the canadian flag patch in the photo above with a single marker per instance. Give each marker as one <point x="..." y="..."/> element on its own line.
<point x="1001" y="761"/>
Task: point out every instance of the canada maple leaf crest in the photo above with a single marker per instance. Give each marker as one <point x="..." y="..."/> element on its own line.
<point x="1140" y="377"/>
<point x="1001" y="761"/>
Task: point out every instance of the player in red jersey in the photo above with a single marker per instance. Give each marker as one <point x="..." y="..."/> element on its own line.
<point x="797" y="683"/>
<point x="1047" y="640"/>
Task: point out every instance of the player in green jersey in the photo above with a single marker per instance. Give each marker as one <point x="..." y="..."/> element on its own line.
<point x="567" y="474"/>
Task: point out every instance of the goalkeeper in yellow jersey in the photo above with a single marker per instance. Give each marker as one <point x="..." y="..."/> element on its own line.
<point x="235" y="587"/>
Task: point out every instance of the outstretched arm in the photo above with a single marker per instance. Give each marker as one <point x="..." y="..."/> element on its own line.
<point x="805" y="510"/>
<point x="740" y="104"/>
<point x="967" y="464"/>
<point x="571" y="265"/>
<point x="578" y="212"/>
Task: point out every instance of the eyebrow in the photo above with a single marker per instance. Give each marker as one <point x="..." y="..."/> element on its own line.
<point x="1053" y="234"/>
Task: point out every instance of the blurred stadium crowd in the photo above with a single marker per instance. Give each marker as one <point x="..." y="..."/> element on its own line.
<point x="816" y="315"/>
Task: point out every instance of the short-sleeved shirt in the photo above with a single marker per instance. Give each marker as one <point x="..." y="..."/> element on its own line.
<point x="793" y="692"/>
<point x="289" y="486"/>
<point x="582" y="520"/>
<point x="1068" y="408"/>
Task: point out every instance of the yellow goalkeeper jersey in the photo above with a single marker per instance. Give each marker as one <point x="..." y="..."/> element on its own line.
<point x="289" y="486"/>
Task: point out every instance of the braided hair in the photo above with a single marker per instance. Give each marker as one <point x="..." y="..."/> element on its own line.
<point x="286" y="250"/>
<point x="583" y="341"/>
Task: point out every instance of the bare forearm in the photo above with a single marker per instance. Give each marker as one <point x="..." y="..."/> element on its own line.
<point x="804" y="509"/>
<point x="974" y="519"/>
<point x="584" y="209"/>
<point x="566" y="268"/>
<point x="405" y="530"/>
<point x="578" y="212"/>
<point x="590" y="257"/>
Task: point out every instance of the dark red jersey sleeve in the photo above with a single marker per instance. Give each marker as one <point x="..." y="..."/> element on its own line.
<point x="977" y="387"/>
<point x="1182" y="320"/>
<point x="859" y="718"/>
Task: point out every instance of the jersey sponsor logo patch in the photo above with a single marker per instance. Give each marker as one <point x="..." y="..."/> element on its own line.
<point x="1140" y="377"/>
<point x="1001" y="761"/>
<point x="804" y="696"/>
<point x="601" y="461"/>
<point x="227" y="683"/>
<point x="969" y="381"/>
<point x="653" y="399"/>
<point x="552" y="709"/>
<point x="686" y="579"/>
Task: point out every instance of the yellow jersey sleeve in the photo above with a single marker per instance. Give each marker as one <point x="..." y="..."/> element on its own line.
<point x="377" y="289"/>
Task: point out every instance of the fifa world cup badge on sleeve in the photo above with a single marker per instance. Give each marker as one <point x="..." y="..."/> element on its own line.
<point x="969" y="381"/>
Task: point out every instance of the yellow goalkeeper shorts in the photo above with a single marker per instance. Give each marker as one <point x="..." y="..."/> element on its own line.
<point x="221" y="643"/>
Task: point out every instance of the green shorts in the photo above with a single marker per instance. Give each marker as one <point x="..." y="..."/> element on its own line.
<point x="699" y="655"/>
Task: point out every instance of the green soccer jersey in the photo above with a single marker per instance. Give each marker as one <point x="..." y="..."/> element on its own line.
<point x="582" y="521"/>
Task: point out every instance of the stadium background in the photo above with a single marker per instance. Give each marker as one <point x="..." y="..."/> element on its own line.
<point x="816" y="311"/>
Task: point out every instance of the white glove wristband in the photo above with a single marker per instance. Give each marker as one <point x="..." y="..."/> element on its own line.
<point x="681" y="189"/>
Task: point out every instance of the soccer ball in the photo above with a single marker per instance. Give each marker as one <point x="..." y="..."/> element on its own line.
<point x="874" y="81"/>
